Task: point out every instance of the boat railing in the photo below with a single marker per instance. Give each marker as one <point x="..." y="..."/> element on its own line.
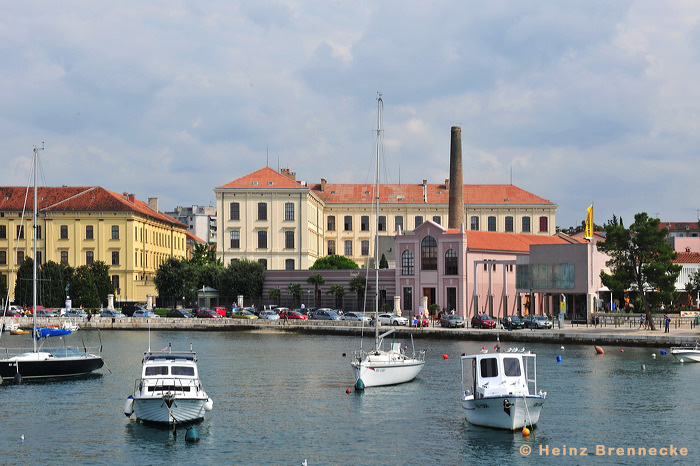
<point x="162" y="386"/>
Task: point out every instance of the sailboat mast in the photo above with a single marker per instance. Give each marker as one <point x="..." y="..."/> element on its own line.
<point x="376" y="224"/>
<point x="34" y="229"/>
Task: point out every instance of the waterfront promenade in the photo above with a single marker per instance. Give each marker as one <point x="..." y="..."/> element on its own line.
<point x="626" y="334"/>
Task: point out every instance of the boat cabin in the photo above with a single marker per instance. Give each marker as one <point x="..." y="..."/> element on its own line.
<point x="169" y="365"/>
<point x="499" y="374"/>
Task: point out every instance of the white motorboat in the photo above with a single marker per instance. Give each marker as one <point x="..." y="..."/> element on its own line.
<point x="500" y="390"/>
<point x="169" y="390"/>
<point x="383" y="367"/>
<point x="686" y="353"/>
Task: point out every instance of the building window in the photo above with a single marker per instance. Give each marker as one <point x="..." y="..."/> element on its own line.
<point x="115" y="257"/>
<point x="289" y="211"/>
<point x="64" y="257"/>
<point x="262" y="239"/>
<point x="509" y="224"/>
<point x="365" y="247"/>
<point x="398" y="222"/>
<point x="289" y="240"/>
<point x="3" y="231"/>
<point x="115" y="231"/>
<point x="89" y="257"/>
<point x="436" y="219"/>
<point x="419" y="221"/>
<point x="451" y="262"/>
<point x="234" y="211"/>
<point x="262" y="210"/>
<point x="428" y="253"/>
<point x="474" y="223"/>
<point x="20" y="231"/>
<point x="331" y="223"/>
<point x="364" y="223"/>
<point x="89" y="232"/>
<point x="381" y="226"/>
<point x="492" y="223"/>
<point x="115" y="283"/>
<point x="3" y="257"/>
<point x="20" y="257"/>
<point x="263" y="262"/>
<point x="526" y="224"/>
<point x="289" y="264"/>
<point x="543" y="225"/>
<point x="39" y="258"/>
<point x="38" y="232"/>
<point x="408" y="298"/>
<point x="408" y="263"/>
<point x="348" y="248"/>
<point x="331" y="246"/>
<point x="64" y="231"/>
<point x="235" y="239"/>
<point x="348" y="223"/>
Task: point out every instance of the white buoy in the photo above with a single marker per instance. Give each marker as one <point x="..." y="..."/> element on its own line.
<point x="653" y="355"/>
<point x="562" y="347"/>
<point x="644" y="367"/>
<point x="21" y="437"/>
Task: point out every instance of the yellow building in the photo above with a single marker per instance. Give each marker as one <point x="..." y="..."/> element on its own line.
<point x="287" y="224"/>
<point x="79" y="225"/>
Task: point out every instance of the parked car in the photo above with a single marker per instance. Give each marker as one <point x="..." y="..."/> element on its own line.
<point x="357" y="316"/>
<point x="420" y="320"/>
<point x="452" y="320"/>
<point x="280" y="310"/>
<point x="229" y="312"/>
<point x="244" y="314"/>
<point x="208" y="314"/>
<point x="14" y="311"/>
<point x="392" y="319"/>
<point x="269" y="315"/>
<point x="129" y="309"/>
<point x="483" y="321"/>
<point x="288" y="314"/>
<point x="326" y="314"/>
<point x="145" y="314"/>
<point x="76" y="313"/>
<point x="39" y="310"/>
<point x="537" y="322"/>
<point x="111" y="313"/>
<point x="512" y="322"/>
<point x="221" y="310"/>
<point x="45" y="313"/>
<point x="179" y="314"/>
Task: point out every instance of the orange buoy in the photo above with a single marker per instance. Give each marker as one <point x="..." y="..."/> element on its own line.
<point x="599" y="350"/>
<point x="526" y="432"/>
<point x="348" y="391"/>
<point x="444" y="356"/>
<point x="622" y="351"/>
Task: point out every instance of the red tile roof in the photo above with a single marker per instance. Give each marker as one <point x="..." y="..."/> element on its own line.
<point x="680" y="226"/>
<point x="75" y="199"/>
<point x="192" y="237"/>
<point x="264" y="178"/>
<point x="494" y="241"/>
<point x="688" y="258"/>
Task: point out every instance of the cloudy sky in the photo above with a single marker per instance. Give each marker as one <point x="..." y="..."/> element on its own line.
<point x="582" y="101"/>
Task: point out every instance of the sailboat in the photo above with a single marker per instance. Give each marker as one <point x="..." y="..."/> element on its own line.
<point x="379" y="366"/>
<point x="44" y="363"/>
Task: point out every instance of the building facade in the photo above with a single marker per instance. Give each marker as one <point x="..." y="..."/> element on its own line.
<point x="79" y="225"/>
<point x="287" y="224"/>
<point x="200" y="220"/>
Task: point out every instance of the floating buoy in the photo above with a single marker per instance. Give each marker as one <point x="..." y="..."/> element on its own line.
<point x="663" y="352"/>
<point x="644" y="367"/>
<point x="343" y="354"/>
<point x="559" y="358"/>
<point x="444" y="356"/>
<point x="526" y="432"/>
<point x="622" y="351"/>
<point x="562" y="348"/>
<point x="21" y="437"/>
<point x="599" y="350"/>
<point x="17" y="379"/>
<point x="653" y="355"/>
<point x="191" y="435"/>
<point x="348" y="391"/>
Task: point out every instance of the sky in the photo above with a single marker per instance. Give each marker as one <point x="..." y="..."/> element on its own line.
<point x="578" y="102"/>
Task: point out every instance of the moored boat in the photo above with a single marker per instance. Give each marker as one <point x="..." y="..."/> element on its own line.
<point x="686" y="353"/>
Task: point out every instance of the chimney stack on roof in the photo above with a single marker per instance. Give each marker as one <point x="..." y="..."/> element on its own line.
<point x="289" y="174"/>
<point x="323" y="184"/>
<point x="153" y="203"/>
<point x="447" y="184"/>
<point x="456" y="208"/>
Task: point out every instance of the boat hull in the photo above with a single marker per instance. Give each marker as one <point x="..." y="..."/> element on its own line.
<point x="154" y="409"/>
<point x="503" y="412"/>
<point x="52" y="367"/>
<point x="376" y="374"/>
<point x="686" y="355"/>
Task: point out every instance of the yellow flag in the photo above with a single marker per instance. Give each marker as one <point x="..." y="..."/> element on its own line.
<point x="589" y="223"/>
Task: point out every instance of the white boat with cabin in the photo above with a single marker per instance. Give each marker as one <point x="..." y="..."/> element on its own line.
<point x="169" y="390"/>
<point x="500" y="390"/>
<point x="686" y="353"/>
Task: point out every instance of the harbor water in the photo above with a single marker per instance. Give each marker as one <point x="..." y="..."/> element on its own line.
<point x="281" y="398"/>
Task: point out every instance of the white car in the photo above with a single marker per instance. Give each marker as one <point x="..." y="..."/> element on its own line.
<point x="392" y="319"/>
<point x="269" y="315"/>
<point x="356" y="316"/>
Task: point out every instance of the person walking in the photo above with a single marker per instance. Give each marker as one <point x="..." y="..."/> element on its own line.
<point x="641" y="321"/>
<point x="667" y="323"/>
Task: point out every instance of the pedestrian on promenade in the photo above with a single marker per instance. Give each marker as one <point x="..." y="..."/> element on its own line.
<point x="667" y="323"/>
<point x="641" y="321"/>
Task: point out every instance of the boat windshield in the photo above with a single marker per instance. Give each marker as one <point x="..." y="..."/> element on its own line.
<point x="157" y="370"/>
<point x="511" y="367"/>
<point x="183" y="370"/>
<point x="489" y="367"/>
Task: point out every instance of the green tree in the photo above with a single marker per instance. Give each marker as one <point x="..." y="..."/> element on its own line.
<point x="338" y="291"/>
<point x="54" y="279"/>
<point x="208" y="274"/>
<point x="383" y="263"/>
<point x="296" y="291"/>
<point x="640" y="258"/>
<point x="84" y="288"/>
<point x="203" y="254"/>
<point x="333" y="262"/>
<point x="275" y="294"/>
<point x="175" y="279"/>
<point x="23" y="285"/>
<point x="3" y="290"/>
<point x="100" y="274"/>
<point x="317" y="280"/>
<point x="358" y="284"/>
<point x="244" y="278"/>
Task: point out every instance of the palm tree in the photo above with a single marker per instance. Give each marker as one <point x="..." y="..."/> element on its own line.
<point x="338" y="291"/>
<point x="274" y="295"/>
<point x="296" y="291"/>
<point x="316" y="279"/>
<point x="359" y="285"/>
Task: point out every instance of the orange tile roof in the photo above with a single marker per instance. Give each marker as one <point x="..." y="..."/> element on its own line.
<point x="680" y="226"/>
<point x="512" y="242"/>
<point x="264" y="178"/>
<point x="76" y="199"/>
<point x="688" y="258"/>
<point x="192" y="237"/>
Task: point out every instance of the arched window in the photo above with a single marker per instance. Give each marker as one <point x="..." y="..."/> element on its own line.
<point x="451" y="262"/>
<point x="408" y="263"/>
<point x="428" y="253"/>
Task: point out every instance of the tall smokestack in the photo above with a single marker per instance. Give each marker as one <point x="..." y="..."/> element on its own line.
<point x="455" y="217"/>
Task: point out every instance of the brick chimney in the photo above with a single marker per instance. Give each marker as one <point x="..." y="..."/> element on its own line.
<point x="289" y="174"/>
<point x="323" y="184"/>
<point x="456" y="208"/>
<point x="447" y="184"/>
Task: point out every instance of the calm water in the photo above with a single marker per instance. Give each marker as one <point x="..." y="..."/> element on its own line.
<point x="280" y="399"/>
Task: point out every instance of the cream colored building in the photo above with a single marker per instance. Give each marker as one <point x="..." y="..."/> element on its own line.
<point x="287" y="224"/>
<point x="79" y="225"/>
